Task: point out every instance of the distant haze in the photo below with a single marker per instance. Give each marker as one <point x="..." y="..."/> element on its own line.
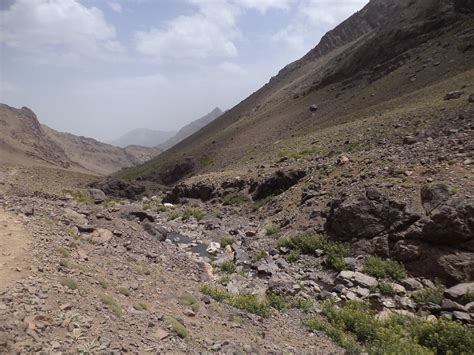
<point x="102" y="68"/>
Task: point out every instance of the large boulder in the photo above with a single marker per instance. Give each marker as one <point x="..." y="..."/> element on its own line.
<point x="119" y="188"/>
<point x="201" y="190"/>
<point x="368" y="215"/>
<point x="177" y="171"/>
<point x="277" y="183"/>
<point x="96" y="195"/>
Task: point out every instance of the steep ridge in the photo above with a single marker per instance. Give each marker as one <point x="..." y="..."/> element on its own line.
<point x="21" y="135"/>
<point x="192" y="128"/>
<point x="24" y="140"/>
<point x="360" y="66"/>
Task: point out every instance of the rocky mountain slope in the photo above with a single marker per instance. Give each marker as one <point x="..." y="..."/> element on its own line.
<point x="191" y="128"/>
<point x="24" y="140"/>
<point x="143" y="137"/>
<point x="387" y="50"/>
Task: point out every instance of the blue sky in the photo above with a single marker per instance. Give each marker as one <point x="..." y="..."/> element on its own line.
<point x="100" y="68"/>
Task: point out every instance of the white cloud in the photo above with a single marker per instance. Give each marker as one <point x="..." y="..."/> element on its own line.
<point x="264" y="5"/>
<point x="209" y="32"/>
<point x="115" y="6"/>
<point x="232" y="68"/>
<point x="60" y="26"/>
<point x="312" y="20"/>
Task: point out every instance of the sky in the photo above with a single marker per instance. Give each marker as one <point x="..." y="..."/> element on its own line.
<point x="101" y="68"/>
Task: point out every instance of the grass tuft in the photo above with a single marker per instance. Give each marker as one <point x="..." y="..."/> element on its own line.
<point x="111" y="304"/>
<point x="69" y="283"/>
<point x="384" y="268"/>
<point x="177" y="327"/>
<point x="225" y="241"/>
<point x="433" y="295"/>
<point x="193" y="212"/>
<point x="234" y="200"/>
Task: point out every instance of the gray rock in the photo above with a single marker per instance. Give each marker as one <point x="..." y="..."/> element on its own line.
<point x="358" y="278"/>
<point x="411" y="284"/>
<point x="433" y="196"/>
<point x="449" y="305"/>
<point x="462" y="316"/>
<point x="96" y="195"/>
<point x="452" y="95"/>
<point x="459" y="291"/>
<point x="313" y="108"/>
<point x="361" y="291"/>
<point x="241" y="256"/>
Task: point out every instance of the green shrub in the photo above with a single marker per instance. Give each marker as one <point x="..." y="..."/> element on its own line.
<point x="228" y="267"/>
<point x="261" y="202"/>
<point x="276" y="301"/>
<point x="293" y="256"/>
<point x="433" y="295"/>
<point x="308" y="243"/>
<point x="302" y="303"/>
<point x="79" y="196"/>
<point x="355" y="327"/>
<point x="111" y="304"/>
<point x="386" y="289"/>
<point x="225" y="241"/>
<point x="249" y="303"/>
<point x="177" y="327"/>
<point x="272" y="230"/>
<point x="140" y="306"/>
<point x="187" y="299"/>
<point x="124" y="291"/>
<point x="173" y="215"/>
<point x="68" y="282"/>
<point x="193" y="212"/>
<point x="234" y="200"/>
<point x="384" y="268"/>
<point x="259" y="255"/>
<point x="469" y="296"/>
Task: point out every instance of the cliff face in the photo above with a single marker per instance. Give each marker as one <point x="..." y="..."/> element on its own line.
<point x="21" y="132"/>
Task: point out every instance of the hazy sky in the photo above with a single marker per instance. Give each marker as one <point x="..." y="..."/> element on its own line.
<point x="100" y="68"/>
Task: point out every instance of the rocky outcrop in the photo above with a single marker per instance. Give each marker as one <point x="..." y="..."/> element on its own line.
<point x="275" y="184"/>
<point x="203" y="191"/>
<point x="178" y="171"/>
<point x="436" y="242"/>
<point x="119" y="188"/>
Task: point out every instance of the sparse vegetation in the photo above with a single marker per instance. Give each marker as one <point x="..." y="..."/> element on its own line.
<point x="225" y="241"/>
<point x="433" y="295"/>
<point x="177" y="327"/>
<point x="298" y="153"/>
<point x="302" y="303"/>
<point x="206" y="160"/>
<point x="124" y="291"/>
<point x="111" y="304"/>
<point x="102" y="282"/>
<point x="79" y="196"/>
<point x="262" y="202"/>
<point x="234" y="200"/>
<point x="173" y="215"/>
<point x="384" y="268"/>
<point x="228" y="267"/>
<point x="272" y="229"/>
<point x="293" y="256"/>
<point x="259" y="255"/>
<point x="140" y="306"/>
<point x="153" y="205"/>
<point x="469" y="296"/>
<point x="308" y="243"/>
<point x="193" y="212"/>
<point x="187" y="299"/>
<point x="386" y="289"/>
<point x="355" y="327"/>
<point x="68" y="282"/>
<point x="63" y="252"/>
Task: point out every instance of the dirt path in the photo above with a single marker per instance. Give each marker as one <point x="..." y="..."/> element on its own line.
<point x="14" y="243"/>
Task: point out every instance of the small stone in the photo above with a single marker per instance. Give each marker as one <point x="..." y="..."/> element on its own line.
<point x="161" y="334"/>
<point x="411" y="284"/>
<point x="189" y="312"/>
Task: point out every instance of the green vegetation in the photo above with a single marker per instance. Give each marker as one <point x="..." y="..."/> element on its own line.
<point x="384" y="268"/>
<point x="433" y="295"/>
<point x="308" y="243"/>
<point x="111" y="304"/>
<point x="68" y="282"/>
<point x="109" y="202"/>
<point x="72" y="232"/>
<point x="259" y="255"/>
<point x="276" y="301"/>
<point x="63" y="252"/>
<point x="224" y="279"/>
<point x="153" y="205"/>
<point x="272" y="230"/>
<point x="302" y="303"/>
<point x="293" y="256"/>
<point x="234" y="200"/>
<point x="355" y="327"/>
<point x="140" y="306"/>
<point x="249" y="303"/>
<point x="103" y="283"/>
<point x="124" y="291"/>
<point x="79" y="196"/>
<point x="177" y="327"/>
<point x="386" y="289"/>
<point x="193" y="212"/>
<point x="187" y="299"/>
<point x="228" y="267"/>
<point x="173" y="215"/>
<point x="206" y="161"/>
<point x="225" y="241"/>
<point x="469" y="296"/>
<point x="262" y="202"/>
<point x="299" y="153"/>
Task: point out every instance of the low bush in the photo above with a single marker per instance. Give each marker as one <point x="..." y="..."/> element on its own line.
<point x="234" y="200"/>
<point x="308" y="243"/>
<point x="384" y="268"/>
<point x="177" y="327"/>
<point x="225" y="241"/>
<point x="79" y="196"/>
<point x="433" y="295"/>
<point x="111" y="304"/>
<point x="68" y="282"/>
<point x="272" y="229"/>
<point x="355" y="327"/>
<point x="228" y="267"/>
<point x="193" y="212"/>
